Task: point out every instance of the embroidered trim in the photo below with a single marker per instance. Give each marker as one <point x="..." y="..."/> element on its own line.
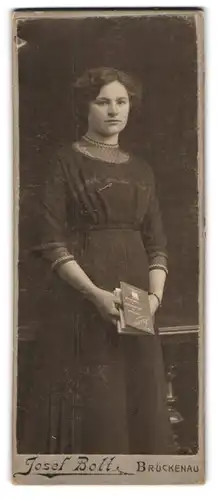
<point x="61" y="260"/>
<point x="158" y="266"/>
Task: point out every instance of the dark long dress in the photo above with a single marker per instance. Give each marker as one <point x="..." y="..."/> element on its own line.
<point x="96" y="391"/>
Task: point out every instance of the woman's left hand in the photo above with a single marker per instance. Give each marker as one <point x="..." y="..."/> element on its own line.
<point x="153" y="303"/>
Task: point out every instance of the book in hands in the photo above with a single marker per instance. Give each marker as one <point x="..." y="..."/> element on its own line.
<point x="135" y="314"/>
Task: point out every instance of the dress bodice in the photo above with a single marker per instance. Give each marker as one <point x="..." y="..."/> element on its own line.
<point x="84" y="194"/>
<point x="101" y="194"/>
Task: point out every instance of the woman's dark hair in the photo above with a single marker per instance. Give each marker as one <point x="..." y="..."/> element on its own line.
<point x="89" y="84"/>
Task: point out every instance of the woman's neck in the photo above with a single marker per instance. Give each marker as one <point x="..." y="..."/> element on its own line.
<point x="95" y="136"/>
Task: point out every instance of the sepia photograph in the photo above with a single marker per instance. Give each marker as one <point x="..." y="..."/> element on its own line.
<point x="108" y="272"/>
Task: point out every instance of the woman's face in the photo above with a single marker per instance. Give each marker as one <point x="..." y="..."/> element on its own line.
<point x="108" y="113"/>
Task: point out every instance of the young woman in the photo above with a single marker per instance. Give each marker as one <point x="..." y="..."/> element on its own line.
<point x="97" y="391"/>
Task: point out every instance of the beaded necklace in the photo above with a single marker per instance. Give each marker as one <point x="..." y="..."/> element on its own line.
<point x="98" y="143"/>
<point x="110" y="153"/>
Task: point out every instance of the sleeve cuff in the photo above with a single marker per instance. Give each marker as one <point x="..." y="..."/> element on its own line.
<point x="56" y="253"/>
<point x="61" y="260"/>
<point x="158" y="266"/>
<point x="159" y="261"/>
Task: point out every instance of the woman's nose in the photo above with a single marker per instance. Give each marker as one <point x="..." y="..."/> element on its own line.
<point x="112" y="109"/>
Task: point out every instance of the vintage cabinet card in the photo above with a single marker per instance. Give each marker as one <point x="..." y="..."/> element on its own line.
<point x="108" y="189"/>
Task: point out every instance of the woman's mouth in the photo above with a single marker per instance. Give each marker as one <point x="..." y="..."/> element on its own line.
<point x="113" y="121"/>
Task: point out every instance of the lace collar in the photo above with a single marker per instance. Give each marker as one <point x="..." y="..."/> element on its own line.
<point x="96" y="150"/>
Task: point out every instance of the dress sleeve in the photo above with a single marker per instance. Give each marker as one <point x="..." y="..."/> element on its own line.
<point x="52" y="224"/>
<point x="153" y="235"/>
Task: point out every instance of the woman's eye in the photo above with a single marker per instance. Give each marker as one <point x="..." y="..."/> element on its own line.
<point x="106" y="103"/>
<point x="101" y="103"/>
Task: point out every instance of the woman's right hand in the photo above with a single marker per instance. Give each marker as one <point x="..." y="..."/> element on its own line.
<point x="108" y="305"/>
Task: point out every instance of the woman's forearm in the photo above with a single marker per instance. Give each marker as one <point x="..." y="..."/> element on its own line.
<point x="157" y="278"/>
<point x="76" y="277"/>
<point x="73" y="274"/>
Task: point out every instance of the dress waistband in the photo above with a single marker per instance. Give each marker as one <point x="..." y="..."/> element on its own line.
<point x="105" y="227"/>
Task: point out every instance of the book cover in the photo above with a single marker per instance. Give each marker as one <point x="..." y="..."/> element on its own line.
<point x="135" y="316"/>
